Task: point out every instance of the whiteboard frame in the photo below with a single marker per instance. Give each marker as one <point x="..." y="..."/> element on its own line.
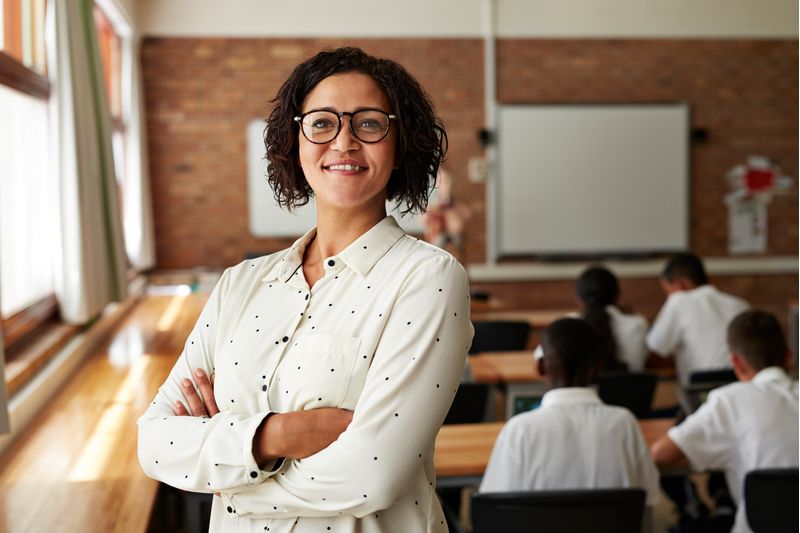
<point x="494" y="191"/>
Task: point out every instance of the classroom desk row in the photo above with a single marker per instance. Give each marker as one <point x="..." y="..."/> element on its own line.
<point x="518" y="368"/>
<point x="462" y="450"/>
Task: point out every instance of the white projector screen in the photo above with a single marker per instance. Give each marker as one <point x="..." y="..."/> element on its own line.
<point x="578" y="180"/>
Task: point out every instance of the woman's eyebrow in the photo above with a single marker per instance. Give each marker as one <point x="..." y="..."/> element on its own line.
<point x="356" y="110"/>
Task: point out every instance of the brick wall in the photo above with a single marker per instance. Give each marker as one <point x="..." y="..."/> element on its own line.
<point x="201" y="94"/>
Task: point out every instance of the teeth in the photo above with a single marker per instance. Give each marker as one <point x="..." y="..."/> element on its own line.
<point x="345" y="167"/>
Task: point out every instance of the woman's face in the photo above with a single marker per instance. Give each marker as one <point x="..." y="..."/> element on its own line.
<point x="346" y="173"/>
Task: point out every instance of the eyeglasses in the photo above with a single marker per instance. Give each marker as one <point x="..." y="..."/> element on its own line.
<point x="367" y="125"/>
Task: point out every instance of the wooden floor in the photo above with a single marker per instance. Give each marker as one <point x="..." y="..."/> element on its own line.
<point x="75" y="469"/>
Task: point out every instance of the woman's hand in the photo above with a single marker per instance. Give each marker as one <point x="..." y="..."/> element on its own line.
<point x="204" y="404"/>
<point x="299" y="434"/>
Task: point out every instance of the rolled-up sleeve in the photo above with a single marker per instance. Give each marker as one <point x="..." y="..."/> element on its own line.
<point x="410" y="385"/>
<point x="192" y="453"/>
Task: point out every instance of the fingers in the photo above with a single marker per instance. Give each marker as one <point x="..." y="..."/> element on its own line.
<point x="196" y="406"/>
<point x="179" y="409"/>
<point x="206" y="391"/>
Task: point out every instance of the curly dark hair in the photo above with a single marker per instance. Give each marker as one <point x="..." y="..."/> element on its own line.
<point x="421" y="137"/>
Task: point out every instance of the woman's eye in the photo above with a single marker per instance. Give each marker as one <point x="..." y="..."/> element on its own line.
<point x="322" y="123"/>
<point x="369" y="124"/>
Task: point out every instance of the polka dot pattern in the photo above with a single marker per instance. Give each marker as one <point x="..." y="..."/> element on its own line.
<point x="387" y="317"/>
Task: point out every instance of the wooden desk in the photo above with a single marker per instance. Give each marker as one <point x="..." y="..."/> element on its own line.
<point x="504" y="367"/>
<point x="518" y="368"/>
<point x="463" y="450"/>
<point x="75" y="469"/>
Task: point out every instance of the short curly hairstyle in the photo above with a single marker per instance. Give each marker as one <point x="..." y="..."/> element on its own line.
<point x="421" y="137"/>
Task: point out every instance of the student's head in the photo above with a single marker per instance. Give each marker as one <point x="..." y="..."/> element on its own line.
<point x="756" y="341"/>
<point x="597" y="287"/>
<point x="396" y="152"/>
<point x="570" y="354"/>
<point x="682" y="272"/>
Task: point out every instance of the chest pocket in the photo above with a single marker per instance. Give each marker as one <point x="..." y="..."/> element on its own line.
<point x="317" y="372"/>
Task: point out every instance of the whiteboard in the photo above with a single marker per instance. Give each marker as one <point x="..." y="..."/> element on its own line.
<point x="266" y="218"/>
<point x="592" y="179"/>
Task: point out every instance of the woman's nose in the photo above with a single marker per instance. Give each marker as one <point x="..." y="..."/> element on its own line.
<point x="345" y="141"/>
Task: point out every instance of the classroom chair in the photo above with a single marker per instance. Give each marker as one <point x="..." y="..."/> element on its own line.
<point x="499" y="336"/>
<point x="632" y="390"/>
<point x="702" y="382"/>
<point x="770" y="497"/>
<point x="470" y="404"/>
<point x="557" y="511"/>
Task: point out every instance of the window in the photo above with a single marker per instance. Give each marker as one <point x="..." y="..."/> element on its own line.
<point x="110" y="45"/>
<point x="28" y="186"/>
<point x="22" y="27"/>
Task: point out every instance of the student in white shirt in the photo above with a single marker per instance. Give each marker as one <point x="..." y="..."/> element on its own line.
<point x="621" y="336"/>
<point x="743" y="426"/>
<point x="336" y="360"/>
<point x="691" y="324"/>
<point x="573" y="441"/>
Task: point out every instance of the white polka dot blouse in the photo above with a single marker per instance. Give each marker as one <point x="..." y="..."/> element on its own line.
<point x="384" y="333"/>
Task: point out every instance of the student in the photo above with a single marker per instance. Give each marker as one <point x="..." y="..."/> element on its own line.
<point x="747" y="425"/>
<point x="692" y="322"/>
<point x="573" y="441"/>
<point x="620" y="337"/>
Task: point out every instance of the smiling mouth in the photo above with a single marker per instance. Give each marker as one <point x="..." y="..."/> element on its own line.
<point x="346" y="168"/>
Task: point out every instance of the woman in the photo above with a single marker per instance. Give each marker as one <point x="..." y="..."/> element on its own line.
<point x="333" y="362"/>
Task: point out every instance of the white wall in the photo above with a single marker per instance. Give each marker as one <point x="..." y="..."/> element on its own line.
<point x="464" y="18"/>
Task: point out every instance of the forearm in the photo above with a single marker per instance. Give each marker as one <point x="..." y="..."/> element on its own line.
<point x="666" y="453"/>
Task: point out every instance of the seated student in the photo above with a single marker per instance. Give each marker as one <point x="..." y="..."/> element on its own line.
<point x="692" y="322"/>
<point x="747" y="425"/>
<point x="573" y="441"/>
<point x="620" y="337"/>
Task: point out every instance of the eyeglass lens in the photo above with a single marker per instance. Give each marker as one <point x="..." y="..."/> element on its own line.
<point x="367" y="125"/>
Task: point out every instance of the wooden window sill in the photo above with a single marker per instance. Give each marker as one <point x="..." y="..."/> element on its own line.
<point x="24" y="360"/>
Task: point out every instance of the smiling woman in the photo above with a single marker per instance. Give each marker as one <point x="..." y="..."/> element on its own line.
<point x="317" y="377"/>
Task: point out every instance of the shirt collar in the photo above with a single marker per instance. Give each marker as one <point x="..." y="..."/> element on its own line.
<point x="770" y="374"/>
<point x="360" y="255"/>
<point x="570" y="395"/>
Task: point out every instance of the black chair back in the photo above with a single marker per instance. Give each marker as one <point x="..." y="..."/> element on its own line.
<point x="770" y="500"/>
<point x="712" y="378"/>
<point x="701" y="382"/>
<point x="632" y="390"/>
<point x="499" y="336"/>
<point x="590" y="510"/>
<point x="469" y="405"/>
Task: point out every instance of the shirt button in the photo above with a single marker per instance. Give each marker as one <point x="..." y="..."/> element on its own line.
<point x="306" y="296"/>
<point x="264" y="388"/>
<point x="331" y="262"/>
<point x="285" y="339"/>
<point x="230" y="509"/>
<point x="254" y="474"/>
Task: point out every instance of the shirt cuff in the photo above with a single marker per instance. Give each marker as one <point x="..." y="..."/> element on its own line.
<point x="256" y="475"/>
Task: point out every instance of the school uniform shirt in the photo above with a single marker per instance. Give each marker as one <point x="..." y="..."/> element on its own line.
<point x="384" y="333"/>
<point x="629" y="333"/>
<point x="572" y="441"/>
<point x="741" y="427"/>
<point x="693" y="325"/>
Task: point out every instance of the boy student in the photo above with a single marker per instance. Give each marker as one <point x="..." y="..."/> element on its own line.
<point x="692" y="322"/>
<point x="573" y="441"/>
<point x="747" y="425"/>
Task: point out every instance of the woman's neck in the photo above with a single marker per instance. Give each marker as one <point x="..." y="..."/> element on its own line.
<point x="337" y="230"/>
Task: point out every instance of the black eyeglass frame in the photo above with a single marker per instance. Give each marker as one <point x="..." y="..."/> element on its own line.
<point x="339" y="115"/>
